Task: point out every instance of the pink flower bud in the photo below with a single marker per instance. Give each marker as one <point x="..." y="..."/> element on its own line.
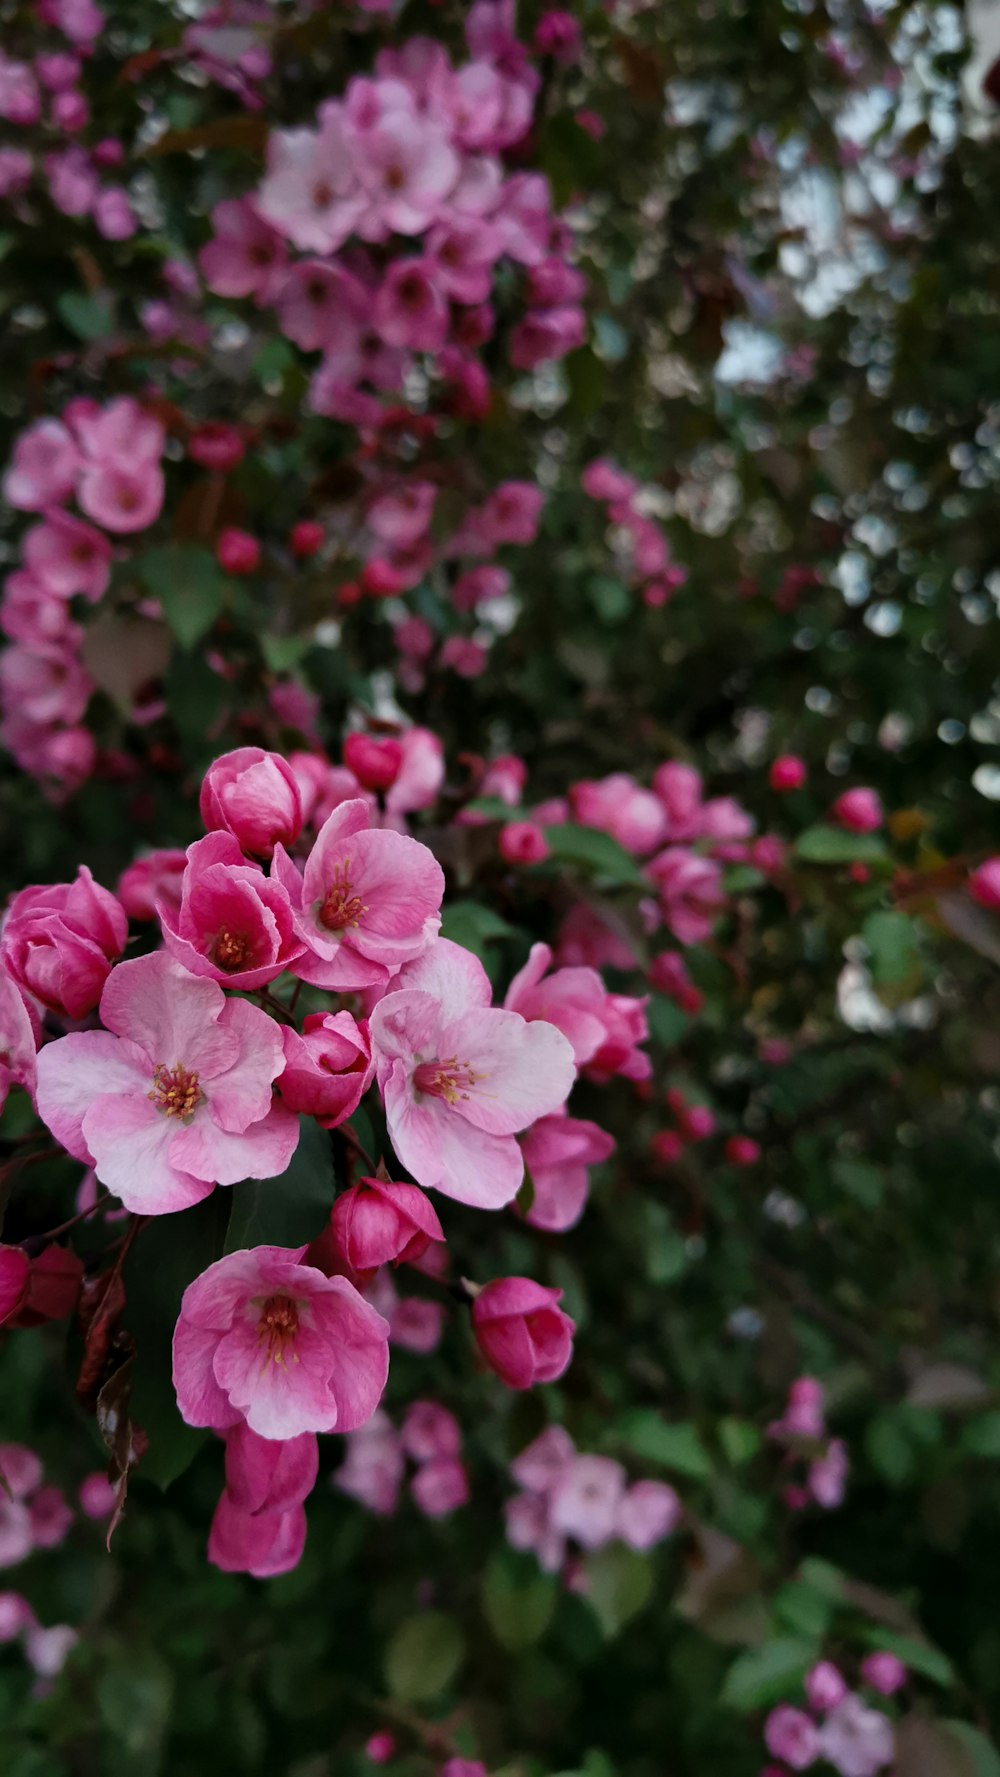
<point x="790" y="1735"/>
<point x="154" y="879"/>
<point x="374" y="759"/>
<point x="522" y="842"/>
<point x="237" y="552"/>
<point x="53" y="1286"/>
<point x="254" y="796"/>
<point x="429" y="1431"/>
<point x="379" y="579"/>
<point x="378" y="1222"/>
<point x="96" y="1495"/>
<point x="984" y="883"/>
<point x="884" y="1672"/>
<point x="328" y="1068"/>
<point x="667" y="1145"/>
<point x="306" y="540"/>
<point x="558" y="34"/>
<point x="859" y="810"/>
<point x="439" y="1487"/>
<point x="380" y="1747"/>
<point x="787" y="773"/>
<point x="697" y="1122"/>
<point x="825" y="1687"/>
<point x="217" y="446"/>
<point x="742" y="1150"/>
<point x="522" y="1334"/>
<point x="59" y="942"/>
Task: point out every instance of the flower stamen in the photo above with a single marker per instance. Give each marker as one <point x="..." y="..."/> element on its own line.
<point x="176" y="1091"/>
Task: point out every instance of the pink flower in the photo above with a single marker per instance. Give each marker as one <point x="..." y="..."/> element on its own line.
<point x="542" y="1463"/>
<point x="587" y="1499"/>
<point x="115" y="219"/>
<point x="174" y="1095"/>
<point x="310" y="193"/>
<point x="522" y="1334"/>
<point x="123" y="432"/>
<point x="521" y="842"/>
<point x="439" y="1487"/>
<point x="306" y="539"/>
<point x="266" y="1339"/>
<point x="269" y="1474"/>
<point x="328" y="1068"/>
<point x="316" y="303"/>
<point x="859" y="810"/>
<point x="858" y="1741"/>
<point x="885" y="1672"/>
<point x="787" y="772"/>
<point x="742" y="1150"/>
<point x="402" y="517"/>
<point x="649" y="1512"/>
<point x="574" y="1000"/>
<point x="45" y="1287"/>
<point x="619" y="806"/>
<point x="512" y="513"/>
<point x="421" y="773"/>
<point x="372" y="1470"/>
<point x="558" y="34"/>
<point x="216" y="446"/>
<point x="411" y="308"/>
<point x="367" y="901"/>
<point x="625" y="1027"/>
<point x="984" y="883"/>
<point x="59" y="943"/>
<point x="378" y="1222"/>
<point x="262" y="1544"/>
<point x="254" y="796"/>
<point x="153" y="880"/>
<point x="557" y="1152"/>
<point x="690" y="892"/>
<point x="68" y="556"/>
<point x="460" y="1078"/>
<point x="790" y="1735"/>
<point x="237" y="552"/>
<point x="96" y="1495"/>
<point x="678" y="788"/>
<point x="233" y="924"/>
<point x="429" y="1431"/>
<point x="18" y="1038"/>
<point x="44" y="468"/>
<point x="246" y="257"/>
<point x="374" y="759"/>
<point x="416" y="1324"/>
<point x="825" y="1687"/>
<point x="51" y="1517"/>
<point x="408" y="168"/>
<point x="827" y="1476"/>
<point x="545" y="335"/>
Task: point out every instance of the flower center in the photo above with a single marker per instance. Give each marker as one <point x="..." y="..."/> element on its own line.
<point x="450" y="1080"/>
<point x="277" y="1328"/>
<point x="340" y="907"/>
<point x="395" y="178"/>
<point x="176" y="1091"/>
<point x="231" y="950"/>
<point x="322" y="194"/>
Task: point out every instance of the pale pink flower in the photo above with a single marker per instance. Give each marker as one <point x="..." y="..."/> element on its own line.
<point x="51" y="1517"/>
<point x="542" y="1463"/>
<point x="266" y="1339"/>
<point x="372" y="1471"/>
<point x="416" y="1324"/>
<point x="827" y="1479"/>
<point x="31" y="613"/>
<point x="246" y="256"/>
<point x="233" y="923"/>
<point x="526" y="217"/>
<point x="557" y="1153"/>
<point x="43" y="469"/>
<point x="73" y="183"/>
<point x="587" y="1498"/>
<point x="316" y="304"/>
<point x="858" y="1741"/>
<point x="790" y="1735"/>
<point x="114" y="217"/>
<point x="123" y="432"/>
<point x="407" y="168"/>
<point x="49" y="1649"/>
<point x="512" y="512"/>
<point x="439" y="1487"/>
<point x="825" y="1687"/>
<point x="96" y="1495"/>
<point x="574" y="1000"/>
<point x="40" y="687"/>
<point x="465" y="251"/>
<point x="310" y="193"/>
<point x="403" y="515"/>
<point x="649" y="1511"/>
<point x="18" y="1039"/>
<point x="619" y="806"/>
<point x="527" y="1521"/>
<point x="411" y="308"/>
<point x="429" y="1431"/>
<point x="461" y="1078"/>
<point x="367" y="901"/>
<point x="174" y="1096"/>
<point x="123" y="497"/>
<point x="885" y="1672"/>
<point x="68" y="556"/>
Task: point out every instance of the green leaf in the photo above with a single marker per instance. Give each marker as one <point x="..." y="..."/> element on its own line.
<point x="610" y="598"/>
<point x="675" y="1446"/>
<point x="981" y="1437"/>
<point x="595" y="851"/>
<point x="289" y="1210"/>
<point x="765" y="1674"/>
<point x="985" y="1757"/>
<point x="889" y="1449"/>
<point x="891" y="939"/>
<point x="739" y="1439"/>
<point x="169" y="1252"/>
<point x="282" y="652"/>
<point x="189" y="585"/>
<point x="134" y="1695"/>
<point x="803" y="1610"/>
<point x="423" y="1657"/>
<point x="518" y="1599"/>
<point x="86" y="316"/>
<point x="920" y="1656"/>
<point x="473" y="926"/>
<point x="619" y="1583"/>
<point x="860" y="1180"/>
<point x="666" y="1021"/>
<point x="834" y="845"/>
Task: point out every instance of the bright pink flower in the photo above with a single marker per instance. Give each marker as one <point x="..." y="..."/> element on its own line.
<point x="372" y="1471"/>
<point x="859" y="1742"/>
<point x="557" y="1153"/>
<point x="574" y="1000"/>
<point x="649" y="1512"/>
<point x="115" y="219"/>
<point x="690" y="892"/>
<point x="266" y="1339"/>
<point x="262" y="1544"/>
<point x="790" y="1735"/>
<point x="50" y="1287"/>
<point x="411" y="308"/>
<point x="619" y="806"/>
<point x="522" y="1334"/>
<point x="367" y="901"/>
<point x="153" y="880"/>
<point x="885" y="1672"/>
<point x="380" y="1747"/>
<point x="825" y="1687"/>
<point x="521" y="842"/>
<point x="859" y="810"/>
<point x="402" y="516"/>
<point x="378" y="1222"/>
<point x="328" y="1068"/>
<point x="545" y="335"/>
<point x="18" y="1038"/>
<point x="625" y="1028"/>
<point x="429" y="1431"/>
<point x="254" y="796"/>
<point x="306" y="539"/>
<point x="43" y="469"/>
<point x="15" y="1270"/>
<point x="742" y="1150"/>
<point x="16" y="1615"/>
<point x="984" y="883"/>
<point x="787" y="772"/>
<point x="586" y="1500"/>
<point x="246" y="257"/>
<point x="237" y="552"/>
<point x="668" y="973"/>
<point x="439" y="1487"/>
<point x="174" y="1095"/>
<point x="310" y="193"/>
<point x="512" y="513"/>
<point x="269" y="1474"/>
<point x="678" y="788"/>
<point x="460" y="1078"/>
<point x="59" y="942"/>
<point x="558" y="34"/>
<point x="68" y="556"/>
<point x="375" y="759"/>
<point x="465" y="251"/>
<point x="216" y="446"/>
<point x="233" y="924"/>
<point x="505" y="778"/>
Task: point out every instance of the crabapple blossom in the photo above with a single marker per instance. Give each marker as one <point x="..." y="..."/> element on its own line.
<point x="43" y="1287"/>
<point x="587" y="1500"/>
<point x="263" y="1338"/>
<point x="43" y="469"/>
<point x="649" y="1511"/>
<point x="254" y="796"/>
<point x="521" y="1332"/>
<point x="328" y="1068"/>
<point x="984" y="883"/>
<point x="378" y="1222"/>
<point x="233" y="925"/>
<point x="825" y="1687"/>
<point x="859" y="810"/>
<point x="858" y="1741"/>
<point x="374" y="759"/>
<point x="58" y="943"/>
<point x="372" y="1471"/>
<point x="460" y="1078"/>
<point x="439" y="1487"/>
<point x="237" y="552"/>
<point x="885" y="1672"/>
<point x="690" y="892"/>
<point x="174" y="1095"/>
<point x="787" y="772"/>
<point x="558" y="1150"/>
<point x="522" y="842"/>
<point x="790" y="1735"/>
<point x="429" y="1432"/>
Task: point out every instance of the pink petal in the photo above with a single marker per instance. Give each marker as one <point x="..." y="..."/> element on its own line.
<point x="525" y="1071"/>
<point x="75" y="1070"/>
<point x="225" y="1157"/>
<point x="131" y="1142"/>
<point x="445" y="1153"/>
<point x="242" y="1095"/>
<point x="200" y="1400"/>
<point x="171" y="1016"/>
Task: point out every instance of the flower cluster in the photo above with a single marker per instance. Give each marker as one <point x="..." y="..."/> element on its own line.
<point x="33" y="1515"/>
<point x="375" y="1465"/>
<point x="822" y="1461"/>
<point x="842" y="1728"/>
<point x="568" y="1498"/>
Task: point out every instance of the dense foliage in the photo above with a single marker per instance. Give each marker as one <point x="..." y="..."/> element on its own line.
<point x="499" y="507"/>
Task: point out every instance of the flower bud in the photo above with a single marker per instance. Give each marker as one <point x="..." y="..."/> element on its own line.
<point x="237" y="552"/>
<point x="374" y="759"/>
<point x="328" y="1068"/>
<point x="306" y="539"/>
<point x="859" y="810"/>
<point x="984" y="883"/>
<point x="378" y="1222"/>
<point x="522" y="842"/>
<point x="59" y="942"/>
<point x="742" y="1150"/>
<point x="521" y="1333"/>
<point x="787" y="773"/>
<point x="254" y="796"/>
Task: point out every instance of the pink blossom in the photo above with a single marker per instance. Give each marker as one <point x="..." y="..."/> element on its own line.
<point x="558" y="34"/>
<point x="31" y="613"/>
<point x="984" y="883"/>
<point x="465" y="251"/>
<point x="668" y="973"/>
<point x="787" y="772"/>
<point x="378" y="1222"/>
<point x="380" y="1747"/>
<point x="51" y="1516"/>
<point x="625" y="1028"/>
<point x="407" y="168"/>
<point x="557" y="1153"/>
<point x="123" y="432"/>
<point x="315" y="304"/>
<point x="619" y="806"/>
<point x="402" y="515"/>
<point x="416" y="1324"/>
<point x="44" y="467"/>
<point x="367" y="901"/>
<point x="827" y="1477"/>
<point x="16" y="1615"/>
<point x="411" y="308"/>
<point x="375" y="760"/>
<point x="690" y="892"/>
<point x="306" y="539"/>
<point x="649" y="1512"/>
<point x="18" y="1037"/>
<point x="59" y="942"/>
<point x="522" y="1334"/>
<point x="73" y="183"/>
<point x="858" y="1741"/>
<point x="233" y="924"/>
<point x="477" y="585"/>
<point x="885" y="1672"/>
<point x="310" y="193"/>
<point x="545" y="335"/>
<point x="267" y="1474"/>
<point x="742" y="1150"/>
<point x="527" y="1521"/>
<point x="174" y="1095"/>
<point x="574" y="1000"/>
<point x="460" y="1078"/>
<point x="328" y="1068"/>
<point x="266" y="1339"/>
<point x="429" y="1431"/>
<point x="49" y="1649"/>
<point x="790" y="1735"/>
<point x="372" y="1471"/>
<point x="16" y="168"/>
<point x="522" y="842"/>
<point x="79" y="20"/>
<point x="44" y="1287"/>
<point x="68" y="556"/>
<point x="859" y="810"/>
<point x="153" y="880"/>
<point x="541" y="1464"/>
<point x="96" y="1495"/>
<point x="263" y="1544"/>
<point x="512" y="512"/>
<point x="114" y="217"/>
<point x="678" y="788"/>
<point x="41" y="686"/>
<point x="254" y="796"/>
<point x="439" y="1487"/>
<point x="593" y="940"/>
<point x="825" y="1687"/>
<point x="587" y="1499"/>
<point x="20" y="100"/>
<point x="237" y="552"/>
<point x="526" y="218"/>
<point x="246" y="256"/>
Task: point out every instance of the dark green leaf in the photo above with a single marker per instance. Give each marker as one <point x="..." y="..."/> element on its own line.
<point x="290" y="1210"/>
<point x="189" y="585"/>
